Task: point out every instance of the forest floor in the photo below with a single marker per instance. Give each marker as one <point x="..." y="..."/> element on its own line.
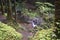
<point x="27" y="31"/>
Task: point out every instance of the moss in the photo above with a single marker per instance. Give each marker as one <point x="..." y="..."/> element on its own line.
<point x="8" y="33"/>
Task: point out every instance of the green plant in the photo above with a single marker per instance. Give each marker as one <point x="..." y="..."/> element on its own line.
<point x="45" y="34"/>
<point x="8" y="33"/>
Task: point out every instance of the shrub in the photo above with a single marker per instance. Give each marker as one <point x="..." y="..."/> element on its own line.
<point x="45" y="34"/>
<point x="8" y="33"/>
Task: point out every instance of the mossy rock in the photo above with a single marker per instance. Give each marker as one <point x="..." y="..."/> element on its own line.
<point x="8" y="33"/>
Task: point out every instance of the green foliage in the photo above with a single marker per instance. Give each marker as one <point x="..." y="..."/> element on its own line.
<point x="58" y="29"/>
<point x="8" y="33"/>
<point x="44" y="8"/>
<point x="47" y="12"/>
<point x="44" y="3"/>
<point x="45" y="34"/>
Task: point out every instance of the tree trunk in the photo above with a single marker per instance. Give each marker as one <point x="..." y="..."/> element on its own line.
<point x="15" y="10"/>
<point x="57" y="16"/>
<point x="9" y="13"/>
<point x="2" y="7"/>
